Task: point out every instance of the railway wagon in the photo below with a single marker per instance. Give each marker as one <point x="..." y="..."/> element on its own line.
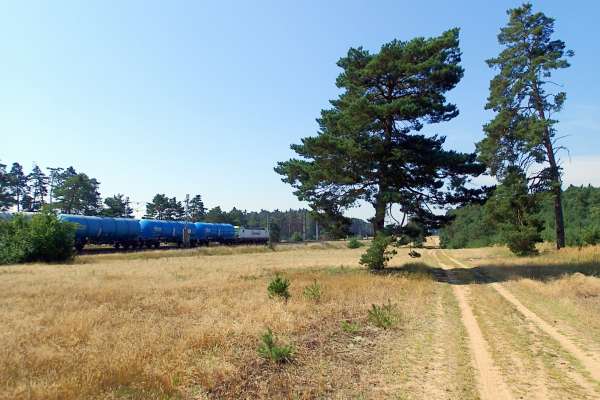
<point x="208" y="232"/>
<point x="104" y="230"/>
<point x="153" y="232"/>
<point x="251" y="235"/>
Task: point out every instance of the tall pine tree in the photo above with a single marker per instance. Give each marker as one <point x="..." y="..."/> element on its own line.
<point x="369" y="148"/>
<point x="38" y="188"/>
<point x="5" y="198"/>
<point x="78" y="194"/>
<point x="117" y="206"/>
<point x="196" y="209"/>
<point x="523" y="132"/>
<point x="18" y="185"/>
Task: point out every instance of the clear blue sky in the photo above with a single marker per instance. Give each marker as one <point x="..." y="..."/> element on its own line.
<point x="205" y="97"/>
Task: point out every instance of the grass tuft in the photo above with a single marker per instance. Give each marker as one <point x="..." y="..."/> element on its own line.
<point x="384" y="316"/>
<point x="269" y="349"/>
<point x="313" y="292"/>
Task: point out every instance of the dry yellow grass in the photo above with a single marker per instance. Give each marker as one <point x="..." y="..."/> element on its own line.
<point x="187" y="325"/>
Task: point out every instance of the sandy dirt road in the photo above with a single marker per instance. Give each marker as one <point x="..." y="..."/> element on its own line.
<point x="571" y="371"/>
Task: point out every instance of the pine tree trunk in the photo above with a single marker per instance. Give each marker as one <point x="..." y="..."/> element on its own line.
<point x="379" y="219"/>
<point x="557" y="194"/>
<point x="558" y="215"/>
<point x="555" y="173"/>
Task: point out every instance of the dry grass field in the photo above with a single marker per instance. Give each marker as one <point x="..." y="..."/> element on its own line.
<point x="186" y="324"/>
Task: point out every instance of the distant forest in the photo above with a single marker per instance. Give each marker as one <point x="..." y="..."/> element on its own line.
<point x="472" y="227"/>
<point x="73" y="192"/>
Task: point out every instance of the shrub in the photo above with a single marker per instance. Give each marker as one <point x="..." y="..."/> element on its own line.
<point x="354" y="243"/>
<point x="350" y="327"/>
<point x="313" y="291"/>
<point x="268" y="349"/>
<point x="383" y="316"/>
<point x="522" y="241"/>
<point x="377" y="255"/>
<point x="279" y="287"/>
<point x="42" y="238"/>
<point x="296" y="237"/>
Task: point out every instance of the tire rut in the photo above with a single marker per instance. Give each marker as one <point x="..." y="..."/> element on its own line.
<point x="489" y="380"/>
<point x="591" y="365"/>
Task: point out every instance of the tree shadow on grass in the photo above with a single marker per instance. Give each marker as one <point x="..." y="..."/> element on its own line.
<point x="490" y="273"/>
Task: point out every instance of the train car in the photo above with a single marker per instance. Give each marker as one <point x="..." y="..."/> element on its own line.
<point x="153" y="232"/>
<point x="119" y="232"/>
<point x="251" y="236"/>
<point x="226" y="233"/>
<point x="208" y="232"/>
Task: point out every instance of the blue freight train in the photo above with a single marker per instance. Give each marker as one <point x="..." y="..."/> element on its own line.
<point x="133" y="233"/>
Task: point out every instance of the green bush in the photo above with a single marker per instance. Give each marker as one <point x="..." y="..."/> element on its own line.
<point x="383" y="316"/>
<point x="313" y="292"/>
<point x="354" y="243"/>
<point x="377" y="255"/>
<point x="279" y="287"/>
<point x="42" y="238"/>
<point x="269" y="349"/>
<point x="522" y="242"/>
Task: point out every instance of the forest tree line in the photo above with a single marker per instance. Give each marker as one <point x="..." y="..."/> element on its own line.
<point x="475" y="226"/>
<point x="72" y="192"/>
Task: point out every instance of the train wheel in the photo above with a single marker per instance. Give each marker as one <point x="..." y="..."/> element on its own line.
<point x="117" y="246"/>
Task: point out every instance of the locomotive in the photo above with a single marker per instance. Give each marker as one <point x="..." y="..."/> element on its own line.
<point x="129" y="233"/>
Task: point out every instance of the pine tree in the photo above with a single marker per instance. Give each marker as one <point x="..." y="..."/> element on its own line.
<point x="515" y="212"/>
<point x="38" y="188"/>
<point x="369" y="147"/>
<point x="6" y="200"/>
<point x="77" y="194"/>
<point x="523" y="131"/>
<point x="117" y="206"/>
<point x="18" y="185"/>
<point x="158" y="207"/>
<point x="175" y="210"/>
<point x="196" y="208"/>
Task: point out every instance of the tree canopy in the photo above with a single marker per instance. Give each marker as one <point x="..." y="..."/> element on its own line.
<point x="369" y="148"/>
<point x="117" y="206"/>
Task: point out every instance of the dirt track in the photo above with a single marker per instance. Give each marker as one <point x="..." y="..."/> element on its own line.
<point x="495" y="380"/>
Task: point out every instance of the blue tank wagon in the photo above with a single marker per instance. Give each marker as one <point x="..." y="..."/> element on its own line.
<point x="207" y="232"/>
<point x="119" y="232"/>
<point x="153" y="232"/>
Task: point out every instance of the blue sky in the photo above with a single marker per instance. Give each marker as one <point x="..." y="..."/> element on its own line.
<point x="205" y="97"/>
